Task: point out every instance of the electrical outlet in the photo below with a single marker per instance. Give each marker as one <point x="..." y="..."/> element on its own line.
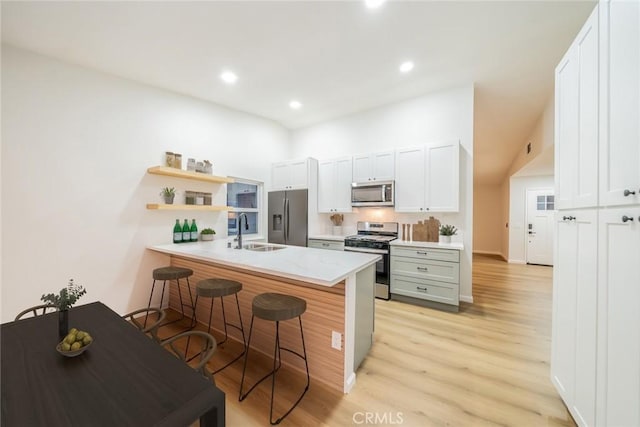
<point x="336" y="340"/>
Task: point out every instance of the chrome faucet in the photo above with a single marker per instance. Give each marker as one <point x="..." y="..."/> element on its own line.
<point x="239" y="226"/>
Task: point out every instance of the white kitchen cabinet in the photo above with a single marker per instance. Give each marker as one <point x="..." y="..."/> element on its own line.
<point x="619" y="314"/>
<point x="428" y="178"/>
<point x="576" y="115"/>
<point x="292" y="175"/>
<point x="374" y="167"/>
<point x="573" y="358"/>
<point x="611" y="315"/>
<point x="620" y="104"/>
<point x="334" y="185"/>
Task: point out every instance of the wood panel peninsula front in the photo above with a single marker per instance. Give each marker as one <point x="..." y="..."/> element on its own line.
<point x="338" y="288"/>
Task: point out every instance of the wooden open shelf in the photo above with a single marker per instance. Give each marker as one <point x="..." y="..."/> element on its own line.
<point x="160" y="206"/>
<point x="179" y="173"/>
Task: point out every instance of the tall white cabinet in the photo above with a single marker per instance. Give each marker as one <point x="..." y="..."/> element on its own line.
<point x="619" y="317"/>
<point x="573" y="356"/>
<point x="595" y="361"/>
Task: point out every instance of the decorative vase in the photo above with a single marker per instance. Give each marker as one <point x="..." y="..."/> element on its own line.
<point x="445" y="239"/>
<point x="169" y="199"/>
<point x="206" y="237"/>
<point x="63" y="323"/>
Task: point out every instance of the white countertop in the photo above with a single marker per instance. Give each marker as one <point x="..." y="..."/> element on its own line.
<point x="334" y="237"/>
<point x="437" y="245"/>
<point x="317" y="266"/>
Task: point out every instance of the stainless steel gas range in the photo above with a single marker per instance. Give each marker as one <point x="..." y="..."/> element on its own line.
<point x="374" y="238"/>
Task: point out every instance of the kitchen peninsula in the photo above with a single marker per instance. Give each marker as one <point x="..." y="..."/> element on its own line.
<point x="337" y="286"/>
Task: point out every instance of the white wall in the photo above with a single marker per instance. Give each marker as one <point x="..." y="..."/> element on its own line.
<point x="75" y="148"/>
<point x="518" y="213"/>
<point x="444" y="115"/>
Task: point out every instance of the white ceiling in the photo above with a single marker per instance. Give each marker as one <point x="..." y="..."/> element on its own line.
<point x="336" y="57"/>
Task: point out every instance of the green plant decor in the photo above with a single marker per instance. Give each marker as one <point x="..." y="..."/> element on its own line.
<point x="208" y="231"/>
<point x="448" y="230"/>
<point x="67" y="296"/>
<point x="168" y="191"/>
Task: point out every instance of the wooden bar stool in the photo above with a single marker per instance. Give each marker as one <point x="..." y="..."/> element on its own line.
<point x="173" y="273"/>
<point x="214" y="288"/>
<point x="276" y="308"/>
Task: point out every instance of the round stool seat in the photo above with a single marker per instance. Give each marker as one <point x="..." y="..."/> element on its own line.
<point x="171" y="273"/>
<point x="276" y="307"/>
<point x="212" y="288"/>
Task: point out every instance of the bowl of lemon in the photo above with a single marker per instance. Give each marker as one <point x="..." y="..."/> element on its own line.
<point x="75" y="343"/>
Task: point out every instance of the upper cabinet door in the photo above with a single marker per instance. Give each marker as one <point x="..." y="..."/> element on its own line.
<point x="428" y="178"/>
<point x="442" y="177"/>
<point x="362" y="168"/>
<point x="342" y="189"/>
<point x="290" y="175"/>
<point x="334" y="185"/>
<point x="326" y="180"/>
<point x="410" y="180"/>
<point x="576" y="113"/>
<point x="383" y="166"/>
<point x="374" y="167"/>
<point x="620" y="107"/>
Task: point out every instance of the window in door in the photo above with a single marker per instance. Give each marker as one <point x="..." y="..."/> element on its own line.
<point x="545" y="203"/>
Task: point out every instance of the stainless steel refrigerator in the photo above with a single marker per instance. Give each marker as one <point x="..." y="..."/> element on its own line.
<point x="288" y="212"/>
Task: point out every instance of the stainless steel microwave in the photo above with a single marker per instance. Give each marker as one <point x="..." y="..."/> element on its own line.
<point x="372" y="193"/>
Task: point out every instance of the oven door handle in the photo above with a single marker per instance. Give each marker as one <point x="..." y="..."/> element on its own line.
<point x="366" y="250"/>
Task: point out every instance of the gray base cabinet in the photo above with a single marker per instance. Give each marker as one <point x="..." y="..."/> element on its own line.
<point x="426" y="274"/>
<point x="332" y="245"/>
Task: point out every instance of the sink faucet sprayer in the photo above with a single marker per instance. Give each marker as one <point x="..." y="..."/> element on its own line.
<point x="239" y="226"/>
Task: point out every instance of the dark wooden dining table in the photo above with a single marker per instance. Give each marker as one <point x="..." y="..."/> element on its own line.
<point x="123" y="379"/>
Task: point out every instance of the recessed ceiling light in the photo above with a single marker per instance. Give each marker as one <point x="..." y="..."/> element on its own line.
<point x="228" y="77"/>
<point x="405" y="67"/>
<point x="296" y="105"/>
<point x="374" y="4"/>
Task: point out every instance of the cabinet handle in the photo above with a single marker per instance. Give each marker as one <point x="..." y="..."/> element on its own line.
<point x="422" y="253"/>
<point x="568" y="218"/>
<point x="421" y="288"/>
<point x="422" y="268"/>
<point x="626" y="218"/>
<point x="628" y="193"/>
<point x="325" y="244"/>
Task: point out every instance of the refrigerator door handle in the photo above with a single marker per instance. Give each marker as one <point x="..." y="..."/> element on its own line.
<point x="286" y="221"/>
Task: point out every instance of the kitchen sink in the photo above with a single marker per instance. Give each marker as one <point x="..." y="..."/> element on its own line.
<point x="261" y="247"/>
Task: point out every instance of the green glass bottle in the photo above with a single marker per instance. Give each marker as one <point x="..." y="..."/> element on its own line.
<point x="194" y="231"/>
<point x="177" y="232"/>
<point x="186" y="231"/>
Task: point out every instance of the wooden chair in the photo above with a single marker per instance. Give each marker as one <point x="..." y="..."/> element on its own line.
<point x="179" y="346"/>
<point x="37" y="310"/>
<point x="150" y="329"/>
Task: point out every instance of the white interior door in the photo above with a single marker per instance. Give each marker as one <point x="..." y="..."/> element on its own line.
<point x="540" y="216"/>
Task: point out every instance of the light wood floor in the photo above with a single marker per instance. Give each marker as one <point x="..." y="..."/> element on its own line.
<point x="486" y="365"/>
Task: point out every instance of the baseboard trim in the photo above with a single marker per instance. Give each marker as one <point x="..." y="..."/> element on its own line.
<point x="516" y="261"/>
<point x="466" y="298"/>
<point x="498" y="254"/>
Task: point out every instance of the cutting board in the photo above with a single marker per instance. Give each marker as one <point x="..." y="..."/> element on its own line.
<point x="427" y="230"/>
